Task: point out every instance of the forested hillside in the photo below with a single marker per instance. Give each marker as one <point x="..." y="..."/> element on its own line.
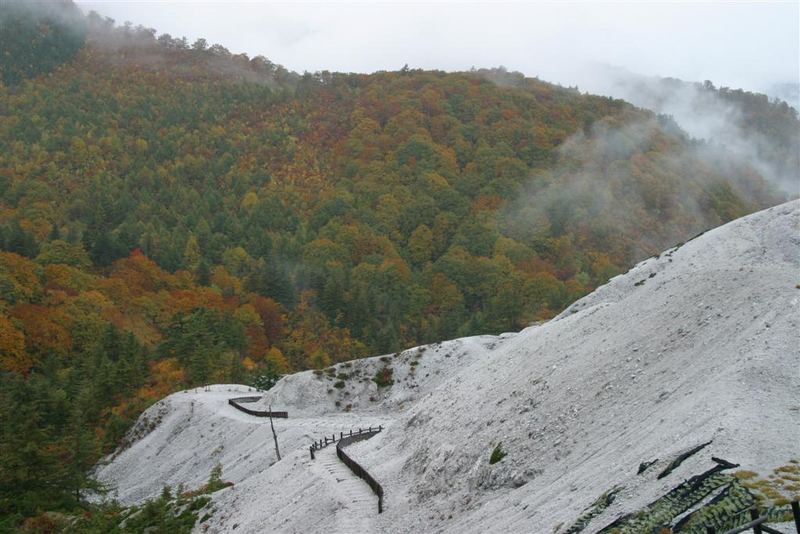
<point x="172" y="215"/>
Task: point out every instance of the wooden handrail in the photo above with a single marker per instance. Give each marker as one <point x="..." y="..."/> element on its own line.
<point x="355" y="467"/>
<point x="325" y="440"/>
<point x="237" y="402"/>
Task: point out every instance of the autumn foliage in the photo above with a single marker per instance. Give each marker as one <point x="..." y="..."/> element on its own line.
<point x="173" y="215"/>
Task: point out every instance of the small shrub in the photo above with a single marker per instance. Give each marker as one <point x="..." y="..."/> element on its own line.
<point x="383" y="377"/>
<point x="385" y="359"/>
<point x="215" y="477"/>
<point x="497" y="454"/>
<point x="198" y="503"/>
<point x="339" y="384"/>
<point x="342" y="376"/>
<point x="777" y="489"/>
<point x="414" y="363"/>
<point x="788" y="469"/>
<point x="215" y="483"/>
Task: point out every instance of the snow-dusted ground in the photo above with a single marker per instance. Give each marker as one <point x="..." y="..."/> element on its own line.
<point x="700" y="344"/>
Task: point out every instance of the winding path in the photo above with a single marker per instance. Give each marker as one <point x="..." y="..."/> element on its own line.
<point x="354" y="500"/>
<point x="355" y="497"/>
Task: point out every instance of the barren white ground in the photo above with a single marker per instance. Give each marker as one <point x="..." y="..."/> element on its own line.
<point x="701" y="343"/>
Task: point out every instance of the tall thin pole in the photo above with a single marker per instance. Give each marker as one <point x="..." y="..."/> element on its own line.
<point x="274" y="435"/>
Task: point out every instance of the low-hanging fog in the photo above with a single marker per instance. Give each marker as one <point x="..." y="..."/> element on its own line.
<point x="749" y="46"/>
<point x="743" y="45"/>
<point x="717" y="115"/>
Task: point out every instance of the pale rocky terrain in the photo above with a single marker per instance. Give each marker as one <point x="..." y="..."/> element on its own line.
<point x="700" y="344"/>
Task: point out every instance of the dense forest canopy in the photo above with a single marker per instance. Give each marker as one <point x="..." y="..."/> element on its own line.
<point x="172" y="214"/>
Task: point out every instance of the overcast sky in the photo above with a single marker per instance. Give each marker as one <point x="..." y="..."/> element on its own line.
<point x="749" y="45"/>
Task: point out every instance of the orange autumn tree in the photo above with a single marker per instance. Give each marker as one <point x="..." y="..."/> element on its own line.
<point x="44" y="329"/>
<point x="165" y="377"/>
<point x="13" y="356"/>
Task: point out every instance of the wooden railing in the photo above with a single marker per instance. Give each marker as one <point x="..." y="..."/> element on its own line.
<point x="757" y="523"/>
<point x="238" y="401"/>
<point x="323" y="442"/>
<point x="345" y="440"/>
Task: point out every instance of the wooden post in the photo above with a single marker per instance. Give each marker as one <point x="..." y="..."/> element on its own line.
<point x="341" y="435"/>
<point x="796" y="514"/>
<point x="351" y="431"/>
<point x="754" y="516"/>
<point x="312" y="451"/>
<point x="274" y="435"/>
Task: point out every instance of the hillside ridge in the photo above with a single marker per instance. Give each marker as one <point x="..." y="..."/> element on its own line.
<point x="699" y="354"/>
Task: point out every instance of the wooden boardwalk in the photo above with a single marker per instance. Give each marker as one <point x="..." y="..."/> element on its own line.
<point x="356" y="500"/>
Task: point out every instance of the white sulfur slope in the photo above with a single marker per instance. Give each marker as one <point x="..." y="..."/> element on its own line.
<point x="705" y="348"/>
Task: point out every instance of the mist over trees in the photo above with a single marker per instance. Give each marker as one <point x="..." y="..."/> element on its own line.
<point x="36" y="37"/>
<point x="752" y="128"/>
